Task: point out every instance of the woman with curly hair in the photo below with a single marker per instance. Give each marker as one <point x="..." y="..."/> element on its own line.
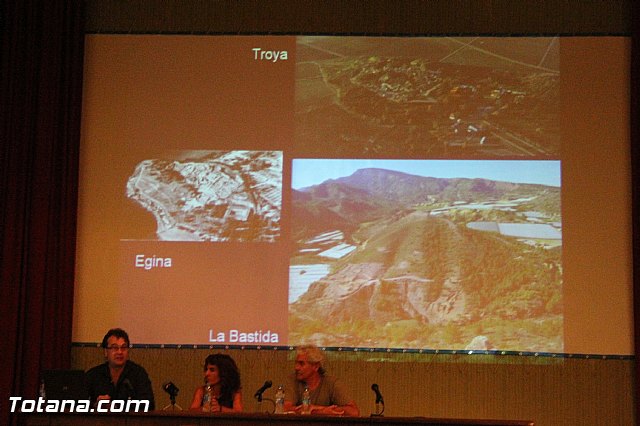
<point x="221" y="391"/>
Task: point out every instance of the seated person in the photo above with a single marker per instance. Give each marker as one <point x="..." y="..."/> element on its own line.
<point x="221" y="391"/>
<point x="329" y="396"/>
<point x="118" y="378"/>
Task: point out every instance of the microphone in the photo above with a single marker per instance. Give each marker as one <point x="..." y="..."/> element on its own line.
<point x="171" y="389"/>
<point x="259" y="392"/>
<point x="129" y="387"/>
<point x="376" y="389"/>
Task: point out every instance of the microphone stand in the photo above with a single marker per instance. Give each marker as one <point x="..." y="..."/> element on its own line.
<point x="259" y="398"/>
<point x="378" y="412"/>
<point x="259" y="403"/>
<point x="379" y="401"/>
<point x="172" y="406"/>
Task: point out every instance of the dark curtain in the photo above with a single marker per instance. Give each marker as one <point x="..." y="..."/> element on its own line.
<point x="635" y="184"/>
<point x="40" y="104"/>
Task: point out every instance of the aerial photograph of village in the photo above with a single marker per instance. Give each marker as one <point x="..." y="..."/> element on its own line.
<point x="435" y="97"/>
<point x="211" y="195"/>
<point x="438" y="254"/>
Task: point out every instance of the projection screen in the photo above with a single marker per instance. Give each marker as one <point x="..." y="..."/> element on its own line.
<point x="438" y="193"/>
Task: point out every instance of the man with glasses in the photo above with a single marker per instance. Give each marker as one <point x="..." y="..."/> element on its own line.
<point x="118" y="378"/>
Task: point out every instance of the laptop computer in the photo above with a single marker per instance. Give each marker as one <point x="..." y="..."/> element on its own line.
<point x="65" y="384"/>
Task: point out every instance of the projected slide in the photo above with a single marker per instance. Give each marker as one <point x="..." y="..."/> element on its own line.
<point x="435" y="193"/>
<point x="411" y="253"/>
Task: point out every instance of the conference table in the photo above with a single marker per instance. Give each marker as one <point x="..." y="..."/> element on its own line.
<point x="190" y="418"/>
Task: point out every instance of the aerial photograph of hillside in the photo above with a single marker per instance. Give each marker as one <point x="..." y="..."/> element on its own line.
<point x="439" y="97"/>
<point x="202" y="195"/>
<point x="437" y="254"/>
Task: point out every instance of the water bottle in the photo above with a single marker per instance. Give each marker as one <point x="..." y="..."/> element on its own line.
<point x="306" y="401"/>
<point x="279" y="400"/>
<point x="41" y="392"/>
<point x="207" y="398"/>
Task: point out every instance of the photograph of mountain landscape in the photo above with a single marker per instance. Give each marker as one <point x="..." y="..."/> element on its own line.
<point x="436" y="254"/>
<point x="435" y="97"/>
